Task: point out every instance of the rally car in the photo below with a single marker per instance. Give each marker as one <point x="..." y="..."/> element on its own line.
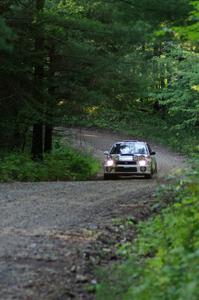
<point x="130" y="158"/>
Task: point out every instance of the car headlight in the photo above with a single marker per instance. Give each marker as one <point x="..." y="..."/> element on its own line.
<point x="116" y="157"/>
<point x="110" y="163"/>
<point x="142" y="163"/>
<point x="141" y="157"/>
<point x="135" y="158"/>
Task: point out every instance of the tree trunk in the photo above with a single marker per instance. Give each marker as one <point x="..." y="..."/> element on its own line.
<point x="37" y="142"/>
<point x="48" y="138"/>
<point x="50" y="104"/>
<point x="40" y="5"/>
<point x="37" y="137"/>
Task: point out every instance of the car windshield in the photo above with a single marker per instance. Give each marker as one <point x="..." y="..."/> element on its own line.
<point x="130" y="148"/>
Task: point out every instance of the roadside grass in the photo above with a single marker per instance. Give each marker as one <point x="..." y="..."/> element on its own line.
<point x="162" y="263"/>
<point x="64" y="163"/>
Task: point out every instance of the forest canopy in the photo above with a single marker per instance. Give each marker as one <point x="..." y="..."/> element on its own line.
<point x="65" y="58"/>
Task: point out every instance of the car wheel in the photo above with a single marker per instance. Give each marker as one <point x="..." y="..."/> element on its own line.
<point x="155" y="169"/>
<point x="109" y="176"/>
<point x="148" y="176"/>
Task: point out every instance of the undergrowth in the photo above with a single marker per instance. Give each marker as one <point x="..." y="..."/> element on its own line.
<point x="64" y="163"/>
<point x="163" y="262"/>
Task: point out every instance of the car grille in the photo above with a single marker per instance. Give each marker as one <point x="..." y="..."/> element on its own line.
<point x="126" y="163"/>
<point x="126" y="170"/>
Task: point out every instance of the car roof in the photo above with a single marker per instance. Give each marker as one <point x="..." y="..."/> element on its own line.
<point x="129" y="141"/>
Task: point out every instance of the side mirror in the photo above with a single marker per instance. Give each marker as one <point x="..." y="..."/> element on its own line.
<point x="153" y="153"/>
<point x="106" y="153"/>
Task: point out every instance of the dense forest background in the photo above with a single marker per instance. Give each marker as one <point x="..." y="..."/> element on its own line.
<point x="76" y="59"/>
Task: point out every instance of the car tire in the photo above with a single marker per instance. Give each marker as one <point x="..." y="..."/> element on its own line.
<point x="148" y="176"/>
<point x="156" y="169"/>
<point x="109" y="176"/>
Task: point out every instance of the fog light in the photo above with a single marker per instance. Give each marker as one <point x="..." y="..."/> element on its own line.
<point x="142" y="163"/>
<point x="143" y="169"/>
<point x="110" y="163"/>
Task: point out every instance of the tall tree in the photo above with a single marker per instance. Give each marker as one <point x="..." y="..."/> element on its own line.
<point x="37" y="136"/>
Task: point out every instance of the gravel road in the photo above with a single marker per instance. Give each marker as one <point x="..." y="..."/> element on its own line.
<point x="43" y="224"/>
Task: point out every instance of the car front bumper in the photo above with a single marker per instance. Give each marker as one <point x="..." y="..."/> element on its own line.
<point x="128" y="170"/>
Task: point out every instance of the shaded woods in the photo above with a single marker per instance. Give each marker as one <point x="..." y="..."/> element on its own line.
<point x="62" y="59"/>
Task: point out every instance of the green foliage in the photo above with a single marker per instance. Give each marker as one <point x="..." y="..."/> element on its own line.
<point x="190" y="30"/>
<point x="180" y="94"/>
<point x="163" y="264"/>
<point x="63" y="163"/>
<point x="5" y="36"/>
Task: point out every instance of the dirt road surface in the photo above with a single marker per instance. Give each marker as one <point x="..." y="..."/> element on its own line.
<point x="45" y="227"/>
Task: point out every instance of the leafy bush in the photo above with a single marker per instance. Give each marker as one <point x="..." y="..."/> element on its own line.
<point x="163" y="264"/>
<point x="63" y="164"/>
<point x="180" y="95"/>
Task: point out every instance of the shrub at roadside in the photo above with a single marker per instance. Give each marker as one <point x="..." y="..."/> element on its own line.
<point x="63" y="164"/>
<point x="164" y="261"/>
